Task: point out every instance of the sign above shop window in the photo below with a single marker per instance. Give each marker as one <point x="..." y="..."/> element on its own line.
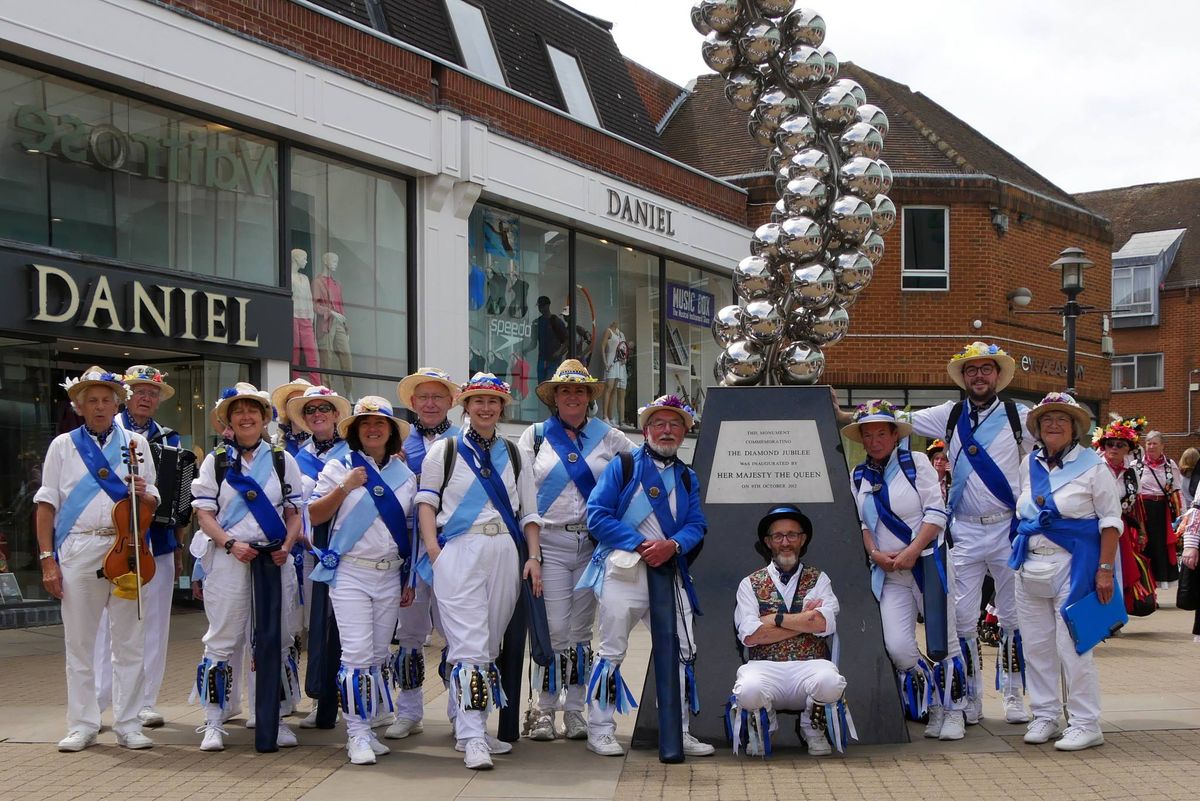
<point x="642" y="213"/>
<point x="689" y="305"/>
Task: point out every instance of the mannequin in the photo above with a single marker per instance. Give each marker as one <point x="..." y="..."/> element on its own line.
<point x="304" y="343"/>
<point x="615" y="349"/>
<point x="333" y="332"/>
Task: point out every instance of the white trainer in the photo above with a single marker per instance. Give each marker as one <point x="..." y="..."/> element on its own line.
<point x="77" y="740"/>
<point x="1014" y="710"/>
<point x="214" y="737"/>
<point x="285" y="737"/>
<point x="478" y="756"/>
<point x="251" y="721"/>
<point x="377" y="746"/>
<point x="543" y="728"/>
<point x="1042" y="730"/>
<point x="604" y="745"/>
<point x="309" y="721"/>
<point x="359" y="750"/>
<point x="954" y="725"/>
<point x="494" y="745"/>
<point x="1077" y="739"/>
<point x="576" y="726"/>
<point x="693" y="747"/>
<point x="134" y="741"/>
<point x="150" y="717"/>
<point x="383" y="719"/>
<point x="402" y="728"/>
<point x="933" y="729"/>
<point x="818" y="743"/>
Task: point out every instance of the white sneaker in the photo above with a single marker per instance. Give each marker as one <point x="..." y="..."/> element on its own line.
<point x="383" y="719"/>
<point x="954" y="725"/>
<point x="359" y="750"/>
<point x="494" y="745"/>
<point x="378" y="747"/>
<point x="251" y="721"/>
<point x="1077" y="739"/>
<point x="285" y="737"/>
<point x="1042" y="730"/>
<point x="309" y="721"/>
<point x="1014" y="710"/>
<point x="214" y="737"/>
<point x="134" y="741"/>
<point x="478" y="756"/>
<point x="933" y="729"/>
<point x="818" y="743"/>
<point x="77" y="740"/>
<point x="543" y="728"/>
<point x="693" y="747"/>
<point x="576" y="725"/>
<point x="402" y="728"/>
<point x="150" y="717"/>
<point x="604" y="745"/>
<point x="974" y="711"/>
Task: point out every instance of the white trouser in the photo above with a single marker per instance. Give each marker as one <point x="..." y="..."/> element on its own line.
<point x="570" y="612"/>
<point x="979" y="550"/>
<point x="156" y="628"/>
<point x="787" y="685"/>
<point x="623" y="604"/>
<point x="476" y="581"/>
<point x="899" y="605"/>
<point x="415" y="623"/>
<point x="1049" y="649"/>
<point x="85" y="599"/>
<point x="366" y="603"/>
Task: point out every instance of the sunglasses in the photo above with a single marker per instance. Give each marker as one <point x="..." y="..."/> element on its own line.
<point x="319" y="408"/>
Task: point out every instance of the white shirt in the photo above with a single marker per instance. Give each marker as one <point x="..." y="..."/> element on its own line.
<point x="913" y="505"/>
<point x="376" y="542"/>
<point x="570" y="506"/>
<point x="1155" y="479"/>
<point x="746" y="614"/>
<point x="64" y="468"/>
<point x="650" y="528"/>
<point x="977" y="500"/>
<point x="521" y="492"/>
<point x="311" y="483"/>
<point x="1092" y="495"/>
<point x="205" y="492"/>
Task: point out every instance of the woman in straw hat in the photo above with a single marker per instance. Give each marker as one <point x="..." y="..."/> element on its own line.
<point x="246" y="500"/>
<point x="1065" y="549"/>
<point x="291" y="436"/>
<point x="473" y="518"/>
<point x="366" y="497"/>
<point x="567" y="453"/>
<point x="904" y="518"/>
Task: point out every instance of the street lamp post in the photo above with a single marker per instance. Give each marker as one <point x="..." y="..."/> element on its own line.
<point x="1071" y="263"/>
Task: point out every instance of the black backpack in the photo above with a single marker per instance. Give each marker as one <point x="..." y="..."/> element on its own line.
<point x="1010" y="411"/>
<point x="223" y="464"/>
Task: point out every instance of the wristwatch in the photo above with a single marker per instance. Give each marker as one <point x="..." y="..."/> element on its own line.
<point x="45" y="555"/>
<point x="229" y="545"/>
<point x="779" y="619"/>
<point x="1106" y="566"/>
<point x="537" y="558"/>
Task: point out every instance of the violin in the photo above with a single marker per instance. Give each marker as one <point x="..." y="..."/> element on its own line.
<point x="129" y="563"/>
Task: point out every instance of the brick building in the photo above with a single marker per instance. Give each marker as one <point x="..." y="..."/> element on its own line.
<point x="1156" y="279"/>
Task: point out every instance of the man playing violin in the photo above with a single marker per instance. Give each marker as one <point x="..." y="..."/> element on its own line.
<point x="85" y="474"/>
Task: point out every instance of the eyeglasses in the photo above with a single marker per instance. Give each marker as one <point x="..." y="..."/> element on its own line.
<point x="429" y="398"/>
<point x="318" y="408"/>
<point x="659" y="425"/>
<point x="979" y="369"/>
<point x="1057" y="418"/>
<point x="785" y="536"/>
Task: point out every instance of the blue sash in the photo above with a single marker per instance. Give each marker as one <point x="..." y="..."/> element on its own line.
<point x="642" y="504"/>
<point x="1079" y="536"/>
<point x="251" y="497"/>
<point x="92" y="483"/>
<point x="980" y="461"/>
<point x="469" y="507"/>
<point x="414" y="446"/>
<point x="311" y="464"/>
<point x="493" y="485"/>
<point x="566" y="470"/>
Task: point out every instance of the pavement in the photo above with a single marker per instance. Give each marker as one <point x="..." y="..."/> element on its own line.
<point x="1151" y="723"/>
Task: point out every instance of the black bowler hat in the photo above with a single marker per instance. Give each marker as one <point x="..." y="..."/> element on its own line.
<point x="784" y="512"/>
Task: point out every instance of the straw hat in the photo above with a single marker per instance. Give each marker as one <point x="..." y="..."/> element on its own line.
<point x="570" y="372"/>
<point x="876" y="411"/>
<point x="672" y="403"/>
<point x="295" y="406"/>
<point x="1060" y="402"/>
<point x="237" y="392"/>
<point x="373" y="406"/>
<point x="279" y="396"/>
<point x="96" y="376"/>
<point x="485" y="384"/>
<point x="145" y="374"/>
<point x="424" y="375"/>
<point x="981" y="351"/>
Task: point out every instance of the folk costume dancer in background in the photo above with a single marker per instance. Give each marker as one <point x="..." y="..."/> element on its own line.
<point x="567" y="453"/>
<point x="647" y="521"/>
<point x="786" y="614"/>
<point x="83" y="477"/>
<point x="430" y="394"/>
<point x="469" y="524"/>
<point x="900" y="504"/>
<point x="250" y="519"/>
<point x="1116" y="443"/>
<point x="985" y="445"/>
<point x="368" y="496"/>
<point x="1159" y="492"/>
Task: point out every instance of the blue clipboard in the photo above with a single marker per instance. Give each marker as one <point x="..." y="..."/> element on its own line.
<point x="1091" y="622"/>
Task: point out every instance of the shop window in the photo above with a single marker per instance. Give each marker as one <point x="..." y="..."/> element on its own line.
<point x="349" y="275"/>
<point x="94" y="172"/>
<point x="692" y="297"/>
<point x="926" y="248"/>
<point x="573" y="86"/>
<point x="1133" y="290"/>
<point x="1137" y="371"/>
<point x="475" y="40"/>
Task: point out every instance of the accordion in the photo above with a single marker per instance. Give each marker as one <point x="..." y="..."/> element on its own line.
<point x="176" y="469"/>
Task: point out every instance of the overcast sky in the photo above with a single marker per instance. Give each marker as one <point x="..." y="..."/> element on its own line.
<point x="1092" y="94"/>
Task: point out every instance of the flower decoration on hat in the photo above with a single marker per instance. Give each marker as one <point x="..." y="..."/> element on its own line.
<point x="370" y="404"/>
<point x="228" y="392"/>
<point x="94" y="376"/>
<point x="875" y="408"/>
<point x="486" y="381"/>
<point x="936" y="445"/>
<point x="978" y="350"/>
<point x="672" y="402"/>
<point x="144" y="372"/>
<point x="1118" y="429"/>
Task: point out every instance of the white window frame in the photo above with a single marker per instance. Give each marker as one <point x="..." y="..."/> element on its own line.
<point x="1127" y="359"/>
<point x="475" y="43"/>
<point x="573" y="86"/>
<point x="944" y="273"/>
<point x="1135" y="310"/>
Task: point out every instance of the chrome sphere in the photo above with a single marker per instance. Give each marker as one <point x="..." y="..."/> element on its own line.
<point x="862" y="176"/>
<point x="762" y="322"/>
<point x="702" y="27"/>
<point x="779" y="212"/>
<point x="810" y="161"/>
<point x="754" y="279"/>
<point x="861" y="139"/>
<point x="873" y="115"/>
<point x="719" y="52"/>
<point x="742" y="363"/>
<point x="872" y="246"/>
<point x="799" y="363"/>
<point x="794" y="134"/>
<point x="759" y="41"/>
<point x="884" y="213"/>
<point x="727" y="324"/>
<point x="805" y="195"/>
<point x="766" y="242"/>
<point x="813" y="285"/>
<point x="832" y="66"/>
<point x="845" y="301"/>
<point x="853" y="270"/>
<point x="851" y="217"/>
<point x="887" y="177"/>
<point x="742" y="88"/>
<point x="853" y="87"/>
<point x="720" y="15"/>
<point x="829" y="326"/>
<point x="774" y="105"/>
<point x="800" y="238"/>
<point x="803" y="67"/>
<point x="761" y="132"/>
<point x="804" y="26"/>
<point x="799" y="327"/>
<point x="774" y="8"/>
<point x="836" y="108"/>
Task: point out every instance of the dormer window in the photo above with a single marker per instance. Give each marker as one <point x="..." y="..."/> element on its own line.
<point x="573" y="87"/>
<point x="475" y="40"/>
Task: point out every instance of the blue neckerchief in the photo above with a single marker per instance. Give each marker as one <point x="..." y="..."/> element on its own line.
<point x="311" y="464"/>
<point x="384" y="505"/>
<point x="414" y="446"/>
<point x="493" y="482"/>
<point x="152" y="429"/>
<point x="91" y="483"/>
<point x="578" y="471"/>
<point x="1040" y="515"/>
<point x="980" y="461"/>
<point x="259" y="506"/>
<point x="469" y="507"/>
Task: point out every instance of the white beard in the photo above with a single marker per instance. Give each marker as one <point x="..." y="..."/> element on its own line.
<point x="786" y="562"/>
